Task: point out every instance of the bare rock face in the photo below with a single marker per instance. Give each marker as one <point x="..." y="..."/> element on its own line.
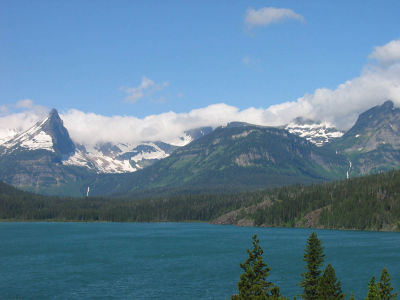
<point x="373" y="144"/>
<point x="54" y="127"/>
<point x="377" y="126"/>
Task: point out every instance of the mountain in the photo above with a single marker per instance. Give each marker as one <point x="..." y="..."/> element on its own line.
<point x="50" y="135"/>
<point x="236" y="157"/>
<point x="316" y="132"/>
<point x="32" y="160"/>
<point x="45" y="159"/>
<point x="373" y="144"/>
<point x="125" y="158"/>
<point x="119" y="158"/>
<point x="239" y="156"/>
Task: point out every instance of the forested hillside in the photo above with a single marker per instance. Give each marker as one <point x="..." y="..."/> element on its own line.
<point x="371" y="203"/>
<point x="367" y="203"/>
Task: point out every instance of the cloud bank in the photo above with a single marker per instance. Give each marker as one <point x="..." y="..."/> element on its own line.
<point x="378" y="82"/>
<point x="269" y="15"/>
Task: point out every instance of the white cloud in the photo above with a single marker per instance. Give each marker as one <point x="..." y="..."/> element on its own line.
<point x="340" y="106"/>
<point x="145" y="89"/>
<point x="388" y="54"/>
<point x="19" y="117"/>
<point x="268" y="15"/>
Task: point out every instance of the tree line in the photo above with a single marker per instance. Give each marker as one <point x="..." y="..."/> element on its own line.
<point x="366" y="203"/>
<point x="317" y="284"/>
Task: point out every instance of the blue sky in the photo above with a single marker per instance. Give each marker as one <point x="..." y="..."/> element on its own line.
<point x="84" y="54"/>
<point x="194" y="63"/>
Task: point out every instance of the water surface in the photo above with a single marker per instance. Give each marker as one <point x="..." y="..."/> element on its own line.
<point x="174" y="260"/>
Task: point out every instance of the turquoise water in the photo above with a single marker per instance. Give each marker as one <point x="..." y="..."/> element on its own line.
<point x="173" y="260"/>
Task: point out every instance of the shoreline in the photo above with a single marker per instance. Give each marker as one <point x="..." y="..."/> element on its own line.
<point x="188" y="222"/>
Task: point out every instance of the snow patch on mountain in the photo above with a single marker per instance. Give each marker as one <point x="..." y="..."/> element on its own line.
<point x="155" y="153"/>
<point x="32" y="139"/>
<point x="318" y="133"/>
<point x="99" y="162"/>
<point x="7" y="134"/>
<point x="120" y="158"/>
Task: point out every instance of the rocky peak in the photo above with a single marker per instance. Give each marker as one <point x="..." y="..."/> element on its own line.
<point x="54" y="127"/>
<point x="377" y="126"/>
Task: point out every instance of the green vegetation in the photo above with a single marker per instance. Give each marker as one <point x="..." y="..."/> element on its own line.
<point x="253" y="284"/>
<point x="314" y="257"/>
<point x="381" y="290"/>
<point x="365" y="203"/>
<point x="19" y="205"/>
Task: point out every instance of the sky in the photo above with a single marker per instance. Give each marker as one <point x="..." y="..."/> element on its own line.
<point x="126" y="71"/>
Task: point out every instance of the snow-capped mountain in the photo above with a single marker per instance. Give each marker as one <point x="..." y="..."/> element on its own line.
<point x="316" y="132"/>
<point x="51" y="135"/>
<point x="120" y="158"/>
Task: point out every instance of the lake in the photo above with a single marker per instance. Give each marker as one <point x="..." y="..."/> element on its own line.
<point x="174" y="260"/>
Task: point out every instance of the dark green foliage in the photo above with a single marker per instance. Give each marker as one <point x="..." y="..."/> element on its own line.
<point x="329" y="286"/>
<point x="373" y="292"/>
<point x="253" y="284"/>
<point x="19" y="205"/>
<point x="367" y="203"/>
<point x="314" y="258"/>
<point x="352" y="296"/>
<point x="384" y="286"/>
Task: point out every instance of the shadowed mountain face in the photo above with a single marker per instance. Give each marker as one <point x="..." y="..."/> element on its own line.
<point x="54" y="127"/>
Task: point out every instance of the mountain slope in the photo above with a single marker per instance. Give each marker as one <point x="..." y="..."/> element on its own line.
<point x="364" y="203"/>
<point x="239" y="156"/>
<point x="373" y="143"/>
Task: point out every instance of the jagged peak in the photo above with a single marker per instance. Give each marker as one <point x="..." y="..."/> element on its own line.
<point x="53" y="111"/>
<point x="388" y="104"/>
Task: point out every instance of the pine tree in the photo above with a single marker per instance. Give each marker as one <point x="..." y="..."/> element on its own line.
<point x="384" y="286"/>
<point x="253" y="284"/>
<point x="314" y="257"/>
<point x="352" y="296"/>
<point x="373" y="293"/>
<point x="329" y="286"/>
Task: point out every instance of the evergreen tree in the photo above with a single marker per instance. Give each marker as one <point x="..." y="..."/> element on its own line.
<point x="329" y="286"/>
<point x="352" y="296"/>
<point x="253" y="284"/>
<point x="314" y="257"/>
<point x="373" y="292"/>
<point x="384" y="286"/>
